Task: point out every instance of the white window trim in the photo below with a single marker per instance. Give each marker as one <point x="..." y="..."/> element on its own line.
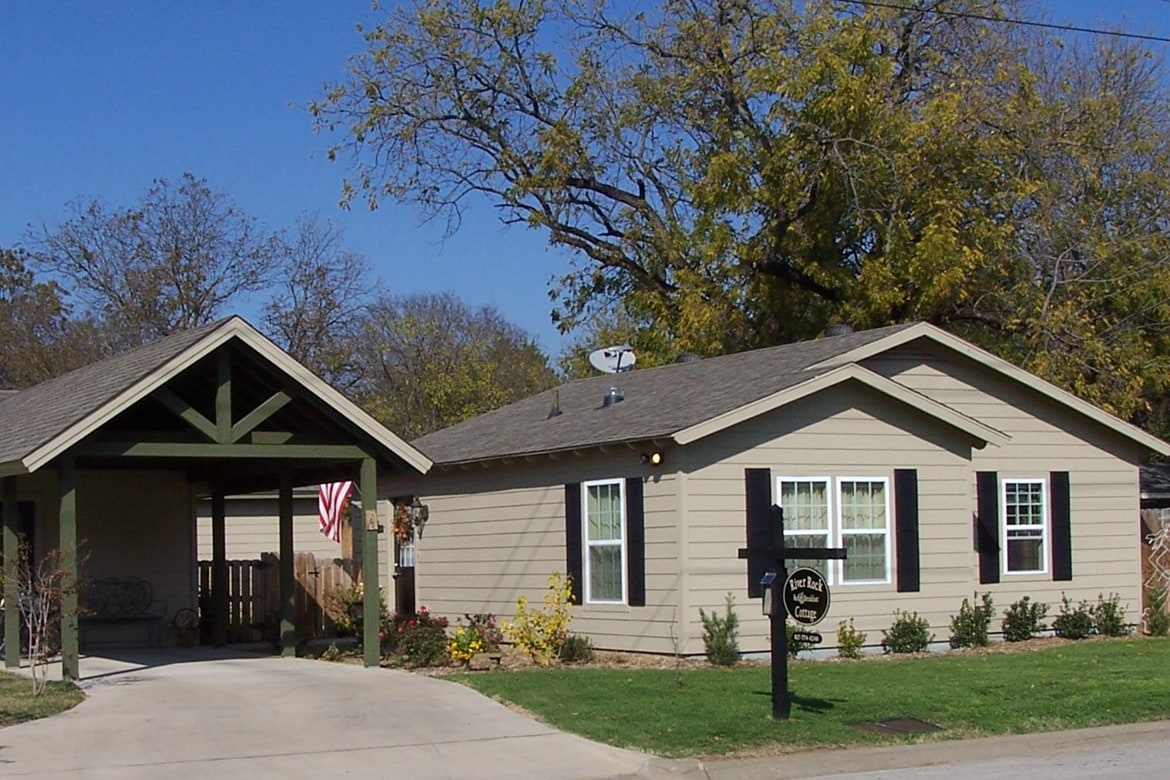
<point x="1042" y="526"/>
<point x="586" y="587"/>
<point x="828" y="532"/>
<point x="842" y="533"/>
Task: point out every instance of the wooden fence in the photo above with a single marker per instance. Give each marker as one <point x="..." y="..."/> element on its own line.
<point x="254" y="596"/>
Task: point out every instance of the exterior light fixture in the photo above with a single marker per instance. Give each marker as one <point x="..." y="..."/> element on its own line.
<point x="655" y="458"/>
<point x="419" y="514"/>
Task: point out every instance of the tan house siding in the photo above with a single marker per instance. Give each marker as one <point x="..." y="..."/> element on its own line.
<point x="252" y="528"/>
<point x="498" y="532"/>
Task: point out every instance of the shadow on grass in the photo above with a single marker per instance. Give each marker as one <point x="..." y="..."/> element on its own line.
<point x="807" y="703"/>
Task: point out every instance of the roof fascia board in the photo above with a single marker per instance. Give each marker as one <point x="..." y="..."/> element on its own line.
<point x="871" y="379"/>
<point x="998" y="364"/>
<point x="233" y="328"/>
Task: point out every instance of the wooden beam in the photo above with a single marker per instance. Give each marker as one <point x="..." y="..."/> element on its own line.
<point x="11" y="558"/>
<point x="219" y="570"/>
<point x="223" y="396"/>
<point x="258" y="415"/>
<point x="371" y="643"/>
<point x="149" y="449"/>
<point x="70" y="642"/>
<point x="288" y="583"/>
<point x="185" y="411"/>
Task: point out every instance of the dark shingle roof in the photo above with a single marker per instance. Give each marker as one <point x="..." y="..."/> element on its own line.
<point x="659" y="402"/>
<point x="33" y="417"/>
<point x="1155" y="481"/>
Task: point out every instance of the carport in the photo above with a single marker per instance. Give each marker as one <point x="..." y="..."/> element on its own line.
<point x="114" y="455"/>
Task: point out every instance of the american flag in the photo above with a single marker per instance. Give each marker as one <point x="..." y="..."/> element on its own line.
<point x="330" y="501"/>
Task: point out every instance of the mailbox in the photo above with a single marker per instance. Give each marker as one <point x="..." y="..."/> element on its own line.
<point x="766" y="582"/>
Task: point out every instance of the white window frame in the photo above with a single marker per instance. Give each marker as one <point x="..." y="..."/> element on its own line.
<point x="842" y="532"/>
<point x="588" y="544"/>
<point x="828" y="532"/>
<point x="1042" y="526"/>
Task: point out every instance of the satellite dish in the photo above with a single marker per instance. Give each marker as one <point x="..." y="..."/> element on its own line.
<point x="612" y="360"/>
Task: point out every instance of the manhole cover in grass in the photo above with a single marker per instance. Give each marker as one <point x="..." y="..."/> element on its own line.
<point x="898" y="726"/>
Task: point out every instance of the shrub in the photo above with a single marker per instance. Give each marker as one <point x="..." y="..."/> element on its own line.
<point x="795" y="647"/>
<point x="332" y="653"/>
<point x="849" y="640"/>
<point x="1073" y="622"/>
<point x="909" y="633"/>
<point x="577" y="649"/>
<point x="420" y="639"/>
<point x="465" y="644"/>
<point x="969" y="627"/>
<point x="721" y="635"/>
<point x="1024" y="620"/>
<point x="484" y="624"/>
<point x="1157" y="615"/>
<point x="1109" y="616"/>
<point x="542" y="632"/>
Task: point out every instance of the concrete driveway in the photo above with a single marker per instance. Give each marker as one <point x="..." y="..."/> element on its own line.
<point x="201" y="713"/>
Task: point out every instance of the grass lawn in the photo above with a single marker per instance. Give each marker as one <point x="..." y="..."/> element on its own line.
<point x="720" y="711"/>
<point x="17" y="703"/>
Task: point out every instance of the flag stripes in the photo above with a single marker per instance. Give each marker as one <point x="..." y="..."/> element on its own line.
<point x="330" y="503"/>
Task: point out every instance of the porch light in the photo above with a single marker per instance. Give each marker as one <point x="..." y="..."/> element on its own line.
<point x="654" y="458"/>
<point x="419" y="514"/>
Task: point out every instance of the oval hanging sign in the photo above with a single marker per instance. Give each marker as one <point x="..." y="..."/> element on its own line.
<point x="806" y="596"/>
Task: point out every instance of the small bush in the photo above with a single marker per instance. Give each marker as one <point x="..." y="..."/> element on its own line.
<point x="542" y="632"/>
<point x="484" y="624"/>
<point x="849" y="640"/>
<point x="721" y="635"/>
<point x="1109" y="616"/>
<point x="420" y="639"/>
<point x="332" y="653"/>
<point x="969" y="627"/>
<point x="1024" y="620"/>
<point x="465" y="644"/>
<point x="577" y="649"/>
<point x="1073" y="622"/>
<point x="1157" y="615"/>
<point x="909" y="633"/>
<point x="795" y="647"/>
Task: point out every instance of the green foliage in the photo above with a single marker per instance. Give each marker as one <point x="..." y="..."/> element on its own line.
<point x="969" y="627"/>
<point x="331" y="653"/>
<point x="480" y="635"/>
<point x="1109" y="616"/>
<point x="795" y="646"/>
<point x="850" y="641"/>
<point x="18" y="703"/>
<point x="1023" y="620"/>
<point x="721" y="635"/>
<point x="1157" y="613"/>
<point x="909" y="633"/>
<point x="417" y="640"/>
<point x="577" y="649"/>
<point x="1073" y="622"/>
<point x="542" y="632"/>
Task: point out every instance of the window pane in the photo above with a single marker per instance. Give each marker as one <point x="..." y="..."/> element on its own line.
<point x="863" y="505"/>
<point x="865" y="557"/>
<point x="1025" y="554"/>
<point x="605" y="573"/>
<point x="807" y="541"/>
<point x="806" y="505"/>
<point x="604" y="510"/>
<point x="1024" y="503"/>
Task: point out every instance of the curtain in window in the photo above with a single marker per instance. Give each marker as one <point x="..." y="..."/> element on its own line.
<point x="603" y="507"/>
<point x="863" y="529"/>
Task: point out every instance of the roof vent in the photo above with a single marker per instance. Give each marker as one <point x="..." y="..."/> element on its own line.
<point x="556" y="405"/>
<point x="612" y="396"/>
<point x="838" y="329"/>
<point x="688" y="357"/>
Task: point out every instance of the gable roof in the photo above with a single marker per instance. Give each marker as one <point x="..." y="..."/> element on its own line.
<point x="685" y="402"/>
<point x="40" y="423"/>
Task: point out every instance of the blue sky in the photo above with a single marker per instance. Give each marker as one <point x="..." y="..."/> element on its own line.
<point x="101" y="98"/>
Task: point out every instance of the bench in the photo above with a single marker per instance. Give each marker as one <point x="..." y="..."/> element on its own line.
<point x="120" y="600"/>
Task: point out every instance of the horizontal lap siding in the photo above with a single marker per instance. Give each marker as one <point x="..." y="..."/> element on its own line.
<point x="499" y="532"/>
<point x="846" y="432"/>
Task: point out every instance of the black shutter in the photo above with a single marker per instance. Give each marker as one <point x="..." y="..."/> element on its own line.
<point x="574" y="563"/>
<point x="906" y="530"/>
<point x="635" y="544"/>
<point x="1061" y="526"/>
<point x="987" y="525"/>
<point x="757" y="485"/>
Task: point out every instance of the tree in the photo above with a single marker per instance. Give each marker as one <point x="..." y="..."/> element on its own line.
<point x="317" y="311"/>
<point x="428" y="361"/>
<point x="176" y="260"/>
<point x="739" y="173"/>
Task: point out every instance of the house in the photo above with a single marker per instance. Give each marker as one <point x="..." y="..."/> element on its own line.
<point x="108" y="463"/>
<point x="943" y="470"/>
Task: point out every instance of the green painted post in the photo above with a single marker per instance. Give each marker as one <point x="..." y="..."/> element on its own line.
<point x="288" y="583"/>
<point x="371" y="642"/>
<point x="70" y="643"/>
<point x="219" y="572"/>
<point x="11" y="550"/>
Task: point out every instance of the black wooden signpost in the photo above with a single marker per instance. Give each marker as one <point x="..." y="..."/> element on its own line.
<point x="774" y="555"/>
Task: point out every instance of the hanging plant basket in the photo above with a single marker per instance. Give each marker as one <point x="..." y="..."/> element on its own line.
<point x="401" y="525"/>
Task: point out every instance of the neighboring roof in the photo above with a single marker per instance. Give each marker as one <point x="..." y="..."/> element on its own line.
<point x="1155" y="481"/>
<point x="687" y="401"/>
<point x="40" y="423"/>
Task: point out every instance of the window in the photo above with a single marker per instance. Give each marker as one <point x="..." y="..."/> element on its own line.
<point x="1025" y="510"/>
<point x="860" y="524"/>
<point x="603" y="515"/>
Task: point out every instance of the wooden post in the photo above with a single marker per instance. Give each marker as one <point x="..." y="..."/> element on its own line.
<point x="70" y="642"/>
<point x="288" y="582"/>
<point x="219" y="569"/>
<point x="371" y="642"/>
<point x="11" y="572"/>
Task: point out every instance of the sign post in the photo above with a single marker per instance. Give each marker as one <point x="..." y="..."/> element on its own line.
<point x="804" y="595"/>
